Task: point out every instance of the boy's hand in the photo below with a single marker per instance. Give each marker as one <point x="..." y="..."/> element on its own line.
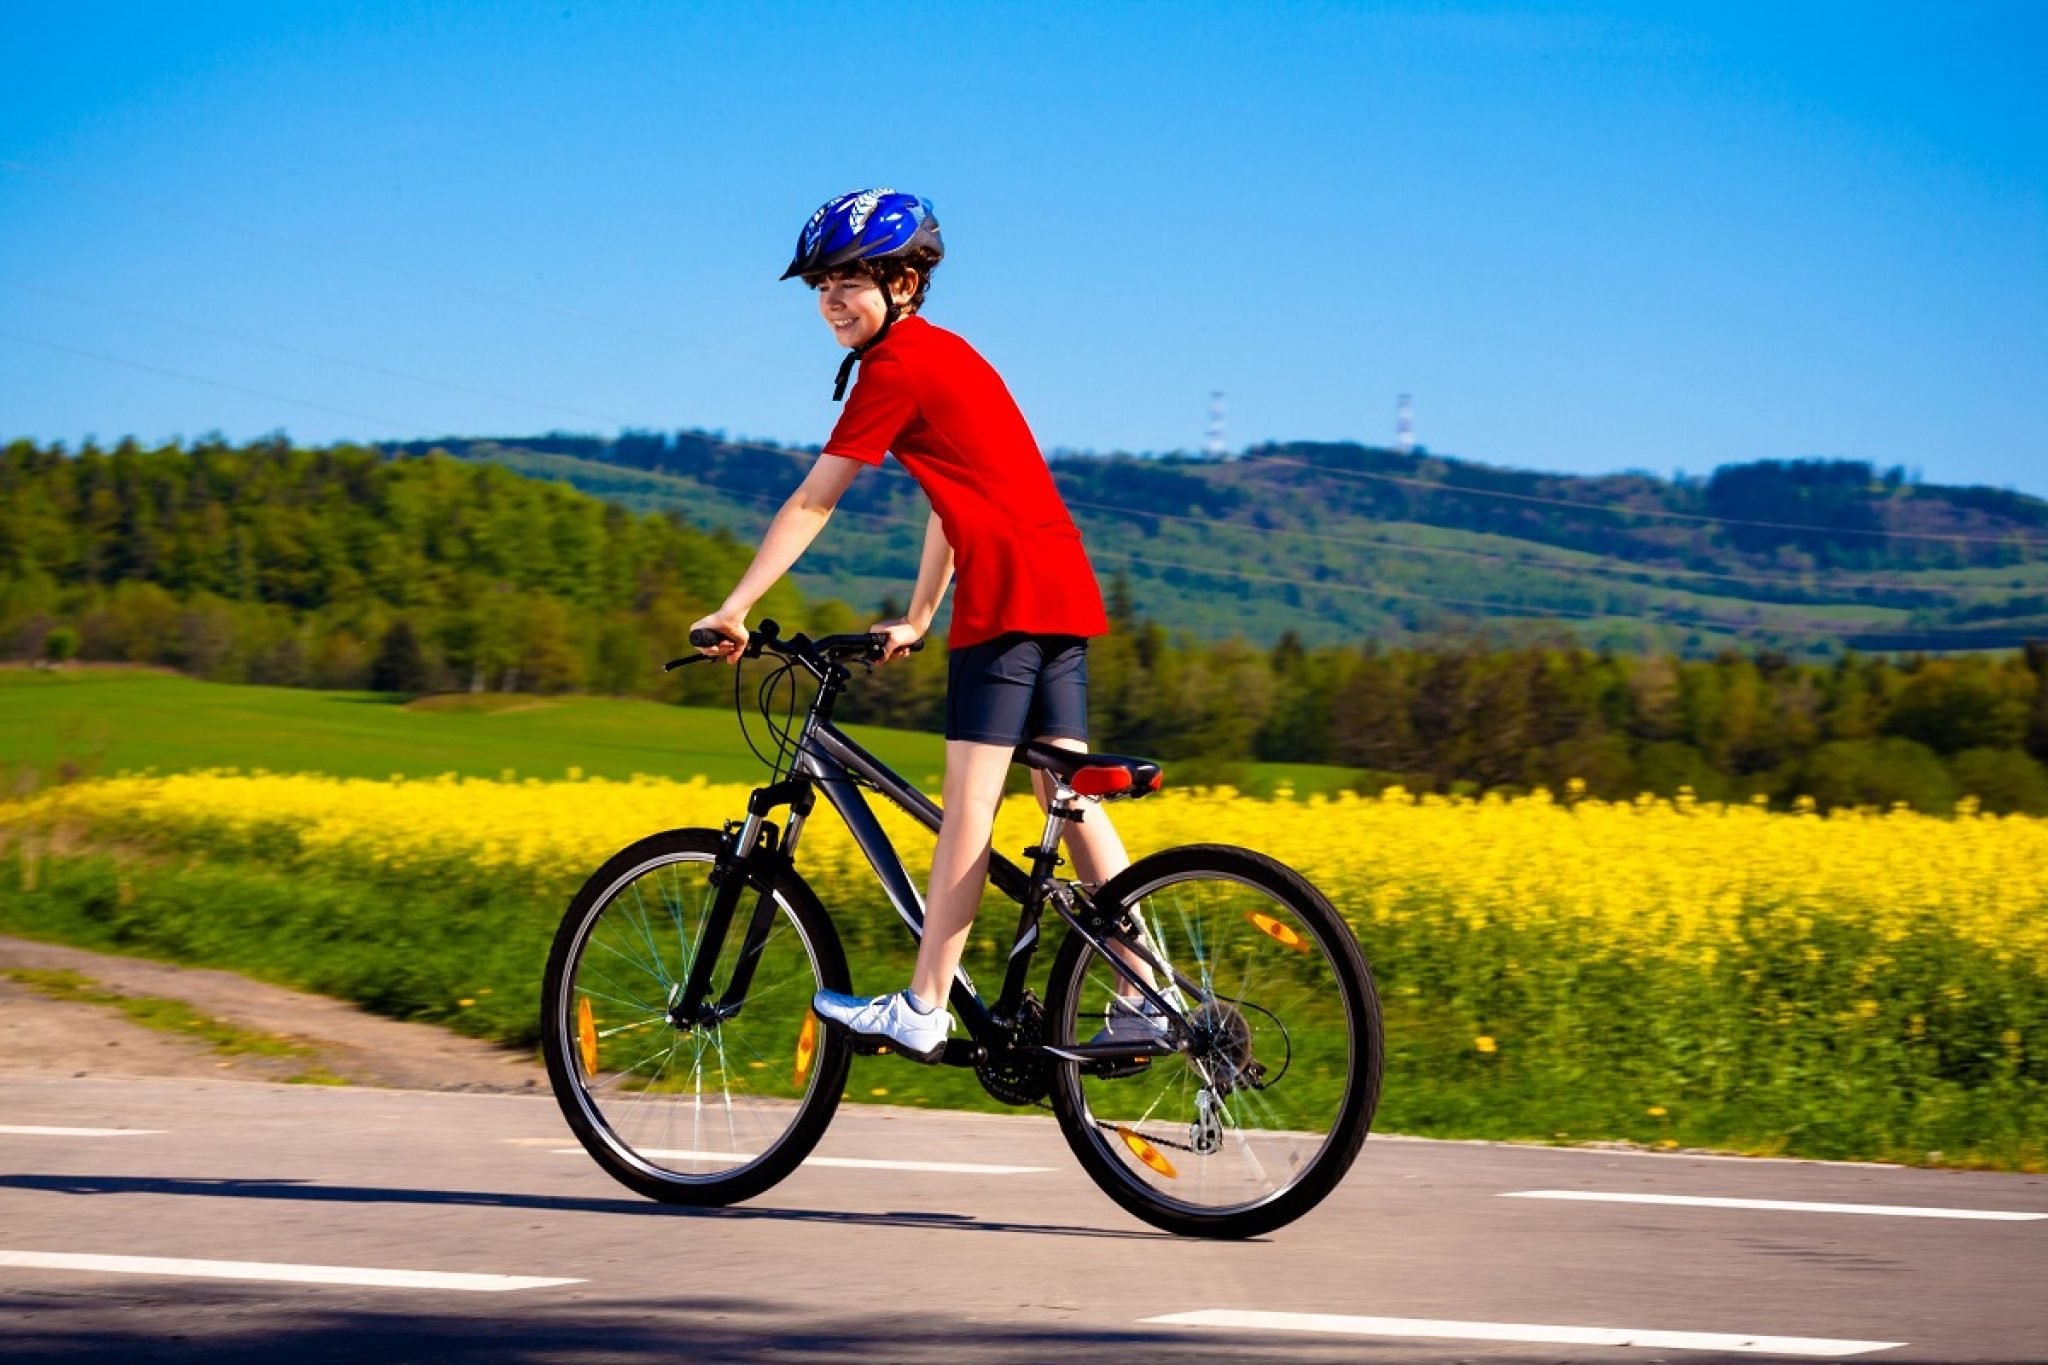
<point x="902" y="633"/>
<point x="733" y="626"/>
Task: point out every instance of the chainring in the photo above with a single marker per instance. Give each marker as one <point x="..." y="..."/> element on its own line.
<point x="1021" y="1077"/>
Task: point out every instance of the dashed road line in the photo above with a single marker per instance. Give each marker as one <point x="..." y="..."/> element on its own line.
<point x="182" y="1267"/>
<point x="844" y="1163"/>
<point x="37" y="1130"/>
<point x="1777" y="1205"/>
<point x="1345" y="1325"/>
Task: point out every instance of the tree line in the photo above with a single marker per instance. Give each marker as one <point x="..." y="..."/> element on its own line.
<point x="345" y="568"/>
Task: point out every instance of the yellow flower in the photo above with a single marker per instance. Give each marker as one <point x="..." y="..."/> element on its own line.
<point x="1655" y="1111"/>
<point x="1485" y="1044"/>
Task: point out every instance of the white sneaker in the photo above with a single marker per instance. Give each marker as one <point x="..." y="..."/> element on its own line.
<point x="890" y="1022"/>
<point x="1132" y="1020"/>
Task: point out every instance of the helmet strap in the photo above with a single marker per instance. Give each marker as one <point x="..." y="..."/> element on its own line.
<point x="854" y="355"/>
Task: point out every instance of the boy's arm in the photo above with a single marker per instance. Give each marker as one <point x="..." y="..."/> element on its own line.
<point x="934" y="572"/>
<point x="795" y="526"/>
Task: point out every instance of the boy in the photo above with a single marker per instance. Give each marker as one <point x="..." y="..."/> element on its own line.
<point x="1027" y="600"/>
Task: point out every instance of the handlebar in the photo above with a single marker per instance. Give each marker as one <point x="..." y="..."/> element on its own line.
<point x="860" y="647"/>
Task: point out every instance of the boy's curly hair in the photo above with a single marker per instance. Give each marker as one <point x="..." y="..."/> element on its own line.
<point x="886" y="271"/>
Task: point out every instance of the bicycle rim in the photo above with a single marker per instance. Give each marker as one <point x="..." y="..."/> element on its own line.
<point x="1244" y="1117"/>
<point x="687" y="1106"/>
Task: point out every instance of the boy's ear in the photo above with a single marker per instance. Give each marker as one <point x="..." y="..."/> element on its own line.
<point x="903" y="288"/>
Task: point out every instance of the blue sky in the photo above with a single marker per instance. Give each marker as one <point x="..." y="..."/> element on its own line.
<point x="1585" y="237"/>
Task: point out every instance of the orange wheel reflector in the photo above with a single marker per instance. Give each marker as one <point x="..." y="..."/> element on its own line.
<point x="1278" y="932"/>
<point x="806" y="1048"/>
<point x="1147" y="1153"/>
<point x="586" y="1036"/>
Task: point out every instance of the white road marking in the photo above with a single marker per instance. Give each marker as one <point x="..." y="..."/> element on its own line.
<point x="266" y="1270"/>
<point x="1614" y="1149"/>
<point x="33" y="1130"/>
<point x="1779" y="1205"/>
<point x="1345" y="1325"/>
<point x="846" y="1163"/>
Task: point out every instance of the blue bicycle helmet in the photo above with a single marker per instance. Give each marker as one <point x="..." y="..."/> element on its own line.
<point x="865" y="225"/>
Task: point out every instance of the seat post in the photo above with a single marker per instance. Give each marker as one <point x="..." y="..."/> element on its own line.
<point x="1045" y="854"/>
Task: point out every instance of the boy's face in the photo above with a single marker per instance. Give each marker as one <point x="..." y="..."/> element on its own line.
<point x="853" y="306"/>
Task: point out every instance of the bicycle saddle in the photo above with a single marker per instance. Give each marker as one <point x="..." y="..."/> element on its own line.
<point x="1106" y="776"/>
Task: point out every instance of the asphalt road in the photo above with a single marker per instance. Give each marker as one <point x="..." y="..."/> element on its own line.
<point x="1429" y="1252"/>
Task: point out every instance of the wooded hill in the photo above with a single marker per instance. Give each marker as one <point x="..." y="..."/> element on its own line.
<point x="1342" y="543"/>
<point x="344" y="568"/>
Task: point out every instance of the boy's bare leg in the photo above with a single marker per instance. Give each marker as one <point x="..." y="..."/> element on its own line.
<point x="972" y="791"/>
<point x="1095" y="847"/>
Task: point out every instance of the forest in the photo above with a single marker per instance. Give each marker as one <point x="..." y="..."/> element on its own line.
<point x="346" y="567"/>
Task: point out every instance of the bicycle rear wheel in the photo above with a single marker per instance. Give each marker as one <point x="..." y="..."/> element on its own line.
<point x="705" y="1115"/>
<point x="1261" y="1115"/>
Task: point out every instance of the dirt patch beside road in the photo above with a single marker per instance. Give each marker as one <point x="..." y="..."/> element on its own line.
<point x="69" y="1037"/>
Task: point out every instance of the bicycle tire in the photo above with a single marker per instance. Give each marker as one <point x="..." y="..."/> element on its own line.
<point x="806" y="955"/>
<point x="1303" y="940"/>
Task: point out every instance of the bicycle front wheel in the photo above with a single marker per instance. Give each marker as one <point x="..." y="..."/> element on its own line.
<point x="1265" y="1108"/>
<point x="711" y="1113"/>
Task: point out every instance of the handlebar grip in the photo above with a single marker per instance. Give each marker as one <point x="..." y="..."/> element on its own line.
<point x="704" y="637"/>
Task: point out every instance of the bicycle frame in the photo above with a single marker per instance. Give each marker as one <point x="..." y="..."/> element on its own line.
<point x="830" y="760"/>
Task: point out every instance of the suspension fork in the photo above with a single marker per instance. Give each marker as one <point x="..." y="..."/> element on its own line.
<point x="753" y="850"/>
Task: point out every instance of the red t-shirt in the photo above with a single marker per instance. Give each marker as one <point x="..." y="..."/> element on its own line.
<point x="927" y="396"/>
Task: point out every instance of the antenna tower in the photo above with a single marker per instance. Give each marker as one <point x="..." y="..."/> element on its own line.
<point x="1404" y="425"/>
<point x="1215" y="425"/>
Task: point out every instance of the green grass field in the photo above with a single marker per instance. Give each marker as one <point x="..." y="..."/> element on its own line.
<point x="89" y="722"/>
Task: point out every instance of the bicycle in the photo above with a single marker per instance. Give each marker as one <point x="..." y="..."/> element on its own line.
<point x="681" y="1046"/>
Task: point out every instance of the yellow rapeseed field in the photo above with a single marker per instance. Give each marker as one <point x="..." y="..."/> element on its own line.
<point x="1650" y="878"/>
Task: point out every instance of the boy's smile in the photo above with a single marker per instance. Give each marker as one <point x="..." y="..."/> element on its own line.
<point x="854" y="308"/>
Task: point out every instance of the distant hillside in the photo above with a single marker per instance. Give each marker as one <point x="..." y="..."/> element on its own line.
<point x="1339" y="543"/>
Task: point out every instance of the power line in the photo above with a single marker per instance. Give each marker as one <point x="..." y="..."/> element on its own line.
<point x="279" y="346"/>
<point x="1611" y="510"/>
<point x="318" y="249"/>
<point x="215" y="383"/>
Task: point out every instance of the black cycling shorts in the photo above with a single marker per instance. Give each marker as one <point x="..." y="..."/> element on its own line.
<point x="1018" y="687"/>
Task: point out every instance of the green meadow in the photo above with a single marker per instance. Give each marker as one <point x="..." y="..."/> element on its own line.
<point x="77" y="723"/>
